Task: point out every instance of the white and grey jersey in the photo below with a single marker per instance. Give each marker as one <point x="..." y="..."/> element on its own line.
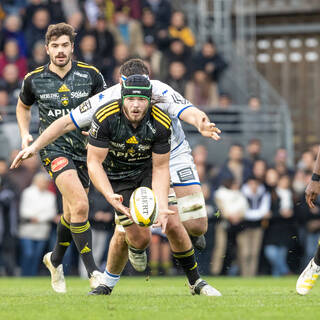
<point x="170" y="101"/>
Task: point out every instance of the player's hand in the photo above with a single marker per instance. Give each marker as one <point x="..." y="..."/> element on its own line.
<point x="209" y="130"/>
<point x="26" y="140"/>
<point x="163" y="219"/>
<point x="24" y="154"/>
<point x="85" y="133"/>
<point x="116" y="201"/>
<point x="311" y="193"/>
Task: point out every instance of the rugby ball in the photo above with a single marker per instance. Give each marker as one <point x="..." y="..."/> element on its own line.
<point x="143" y="207"/>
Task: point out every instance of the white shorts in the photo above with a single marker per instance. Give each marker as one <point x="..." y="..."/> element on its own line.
<point x="183" y="171"/>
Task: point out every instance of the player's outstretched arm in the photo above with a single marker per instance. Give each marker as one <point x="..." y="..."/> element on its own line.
<point x="99" y="178"/>
<point x="23" y="113"/>
<point x="313" y="188"/>
<point x="160" y="186"/>
<point x="200" y="120"/>
<point x="58" y="128"/>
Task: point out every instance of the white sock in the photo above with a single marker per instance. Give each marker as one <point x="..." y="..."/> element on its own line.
<point x="111" y="279"/>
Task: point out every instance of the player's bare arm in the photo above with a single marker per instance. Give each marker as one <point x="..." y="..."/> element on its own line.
<point x="53" y="132"/>
<point x="161" y="185"/>
<point x="200" y="120"/>
<point x="313" y="188"/>
<point x="99" y="178"/>
<point x="23" y="117"/>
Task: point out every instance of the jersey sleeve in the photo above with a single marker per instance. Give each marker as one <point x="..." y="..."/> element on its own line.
<point x="82" y="115"/>
<point x="98" y="83"/>
<point x="99" y="134"/>
<point x="162" y="141"/>
<point x="169" y="100"/>
<point x="26" y="94"/>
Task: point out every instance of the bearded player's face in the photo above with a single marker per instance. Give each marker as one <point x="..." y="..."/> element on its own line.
<point x="135" y="108"/>
<point x="60" y="50"/>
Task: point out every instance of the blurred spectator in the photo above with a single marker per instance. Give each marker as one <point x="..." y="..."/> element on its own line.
<point x="177" y="77"/>
<point x="32" y="7"/>
<point x="4" y="101"/>
<point x="11" y="55"/>
<point x="92" y="10"/>
<point x="14" y="7"/>
<point x="87" y="50"/>
<point x="178" y="29"/>
<point x="281" y="162"/>
<point x="253" y="149"/>
<point x="133" y="7"/>
<point x="128" y="31"/>
<point x="161" y="9"/>
<point x="249" y="239"/>
<point x="101" y="218"/>
<point x="148" y="23"/>
<point x="104" y="38"/>
<point x="209" y="60"/>
<point x="224" y="101"/>
<point x="37" y="210"/>
<point x="232" y="205"/>
<point x="314" y="148"/>
<point x="202" y="91"/>
<point x="11" y="83"/>
<point x="306" y="161"/>
<point x="39" y="56"/>
<point x="57" y="10"/>
<point x="8" y="223"/>
<point x="37" y="29"/>
<point x="12" y="30"/>
<point x="259" y="169"/>
<point x="235" y="168"/>
<point x="177" y="51"/>
<point x="280" y="226"/>
<point x="254" y="104"/>
<point x="152" y="56"/>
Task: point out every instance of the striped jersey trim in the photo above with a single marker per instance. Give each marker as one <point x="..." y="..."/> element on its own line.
<point x="84" y="65"/>
<point x="39" y="69"/>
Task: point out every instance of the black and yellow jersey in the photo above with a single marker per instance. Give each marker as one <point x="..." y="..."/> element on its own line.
<point x="130" y="149"/>
<point x="56" y="97"/>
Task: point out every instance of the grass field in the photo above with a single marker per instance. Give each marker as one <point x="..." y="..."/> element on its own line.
<point x="158" y="298"/>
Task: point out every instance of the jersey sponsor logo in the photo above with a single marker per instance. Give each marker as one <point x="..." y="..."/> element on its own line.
<point x="79" y="94"/>
<point x="144" y="147"/>
<point x="58" y="164"/>
<point x="151" y="127"/>
<point x="82" y="75"/>
<point x="64" y="101"/>
<point x="50" y="96"/>
<point x="85" y="106"/>
<point x="118" y="145"/>
<point x="63" y="88"/>
<point x="58" y="112"/>
<point x="132" y="140"/>
<point x="185" y="174"/>
<point x="94" y="129"/>
<point x="130" y="155"/>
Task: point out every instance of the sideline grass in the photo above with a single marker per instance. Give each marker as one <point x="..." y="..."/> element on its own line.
<point x="158" y="298"/>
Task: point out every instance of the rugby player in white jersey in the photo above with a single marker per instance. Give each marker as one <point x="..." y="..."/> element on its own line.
<point x="184" y="177"/>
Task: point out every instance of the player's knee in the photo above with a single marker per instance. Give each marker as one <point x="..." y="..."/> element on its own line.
<point x="81" y="208"/>
<point x="173" y="227"/>
<point x="141" y="241"/>
<point x="196" y="227"/>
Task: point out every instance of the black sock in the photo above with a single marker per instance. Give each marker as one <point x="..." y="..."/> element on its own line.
<point x="317" y="255"/>
<point x="64" y="238"/>
<point x="188" y="262"/>
<point x="82" y="237"/>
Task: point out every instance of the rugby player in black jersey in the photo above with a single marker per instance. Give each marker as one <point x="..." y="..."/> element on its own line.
<point x="57" y="88"/>
<point x="129" y="147"/>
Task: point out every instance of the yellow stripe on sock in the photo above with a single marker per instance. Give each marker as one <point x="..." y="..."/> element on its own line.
<point x="63" y="222"/>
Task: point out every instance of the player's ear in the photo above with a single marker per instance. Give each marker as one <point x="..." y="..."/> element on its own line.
<point x="72" y="47"/>
<point x="47" y="49"/>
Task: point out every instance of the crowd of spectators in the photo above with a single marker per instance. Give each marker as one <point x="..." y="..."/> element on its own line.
<point x="258" y="221"/>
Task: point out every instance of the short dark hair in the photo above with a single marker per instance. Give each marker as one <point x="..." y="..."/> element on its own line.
<point x="60" y="29"/>
<point x="134" y="66"/>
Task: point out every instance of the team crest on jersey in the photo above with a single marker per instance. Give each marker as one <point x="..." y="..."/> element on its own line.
<point x="64" y="101"/>
<point x="85" y="106"/>
<point x="58" y="164"/>
<point x="63" y="88"/>
<point x="94" y="129"/>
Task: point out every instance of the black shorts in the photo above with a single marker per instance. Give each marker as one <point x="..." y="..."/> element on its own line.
<point x="58" y="163"/>
<point x="125" y="188"/>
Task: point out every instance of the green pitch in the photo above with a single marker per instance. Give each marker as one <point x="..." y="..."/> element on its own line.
<point x="158" y="298"/>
